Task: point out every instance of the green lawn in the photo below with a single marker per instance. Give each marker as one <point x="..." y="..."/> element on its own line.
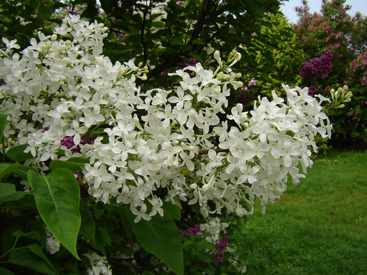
<point x="318" y="226"/>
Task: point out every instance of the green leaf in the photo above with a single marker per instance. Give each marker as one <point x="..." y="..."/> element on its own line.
<point x="57" y="197"/>
<point x="79" y="160"/>
<point x="22" y="171"/>
<point x="172" y="209"/>
<point x="160" y="236"/>
<point x="2" y="125"/>
<point x="102" y="240"/>
<point x="36" y="249"/>
<point x="33" y="235"/>
<point x="198" y="42"/>
<point x="9" y="193"/>
<point x="156" y="15"/>
<point x="39" y="226"/>
<point x="126" y="223"/>
<point x="265" y="76"/>
<point x="158" y="24"/>
<point x="104" y="237"/>
<point x="88" y="225"/>
<point x="198" y="57"/>
<point x="177" y="41"/>
<point x="5" y="271"/>
<point x="73" y="166"/>
<point x="33" y="258"/>
<point x="17" y="153"/>
<point x="7" y="168"/>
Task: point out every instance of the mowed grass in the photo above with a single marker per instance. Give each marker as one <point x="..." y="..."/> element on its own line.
<point x="318" y="226"/>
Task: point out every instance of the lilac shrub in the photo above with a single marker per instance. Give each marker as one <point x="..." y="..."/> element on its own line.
<point x="145" y="149"/>
<point x="334" y="44"/>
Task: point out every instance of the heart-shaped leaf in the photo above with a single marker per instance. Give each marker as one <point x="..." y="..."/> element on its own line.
<point x="57" y="197"/>
<point x="160" y="236"/>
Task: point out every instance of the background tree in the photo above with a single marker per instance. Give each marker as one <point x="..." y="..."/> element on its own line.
<point x="335" y="47"/>
<point x="271" y="58"/>
<point x="21" y="19"/>
<point x="161" y="34"/>
<point x="168" y="34"/>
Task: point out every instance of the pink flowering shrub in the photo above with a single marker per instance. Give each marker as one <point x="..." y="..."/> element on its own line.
<point x="334" y="44"/>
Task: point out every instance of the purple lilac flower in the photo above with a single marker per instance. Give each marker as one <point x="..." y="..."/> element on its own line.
<point x="318" y="66"/>
<point x="78" y="175"/>
<point x="68" y="142"/>
<point x="84" y="137"/>
<point x="192" y="230"/>
<point x="312" y="90"/>
<point x="252" y="82"/>
<point x="219" y="255"/>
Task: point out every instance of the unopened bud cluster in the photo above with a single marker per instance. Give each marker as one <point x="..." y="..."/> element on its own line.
<point x="224" y="71"/>
<point x="340" y="96"/>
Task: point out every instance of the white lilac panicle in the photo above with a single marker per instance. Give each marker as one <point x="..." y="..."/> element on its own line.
<point x="215" y="227"/>
<point x="52" y="244"/>
<point x="98" y="264"/>
<point x="64" y="99"/>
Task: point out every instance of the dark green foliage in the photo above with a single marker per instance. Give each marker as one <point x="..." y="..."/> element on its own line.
<point x="166" y="40"/>
<point x="22" y="19"/>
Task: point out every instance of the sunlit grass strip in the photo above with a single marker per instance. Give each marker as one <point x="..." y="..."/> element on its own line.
<point x="318" y="227"/>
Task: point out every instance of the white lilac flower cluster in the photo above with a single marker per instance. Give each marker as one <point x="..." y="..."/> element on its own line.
<point x="52" y="244"/>
<point x="98" y="264"/>
<point x="156" y="145"/>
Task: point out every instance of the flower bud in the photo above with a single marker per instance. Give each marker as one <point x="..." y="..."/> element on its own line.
<point x="205" y="187"/>
<point x="193" y="186"/>
<point x="121" y="71"/>
<point x="175" y="164"/>
<point x="237" y="57"/>
<point x="341" y="92"/>
<point x="238" y="83"/>
<point x="143" y="77"/>
<point x="137" y="122"/>
<point x="216" y="90"/>
<point x="189" y="148"/>
<point x="217" y="57"/>
<point x="223" y="77"/>
<point x="336" y="94"/>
